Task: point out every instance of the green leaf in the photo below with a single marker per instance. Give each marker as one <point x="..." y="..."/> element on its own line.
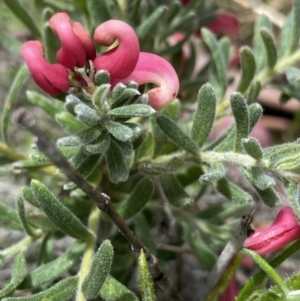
<point x="88" y="135"/>
<point x="99" y="270"/>
<point x="258" y="45"/>
<point x="51" y="106"/>
<point x="86" y="114"/>
<point x="248" y="66"/>
<point x="292" y="192"/>
<point x="268" y="270"/>
<point x="117" y="168"/>
<point x="290" y="33"/>
<point x="118" y="130"/>
<point x="215" y="173"/>
<point x="69" y="122"/>
<point x="67" y="151"/>
<point x="204" y="116"/>
<point x="232" y="192"/>
<point x="152" y="20"/>
<point x="101" y="146"/>
<point x="241" y="115"/>
<point x="62" y="290"/>
<point x="254" y="91"/>
<point x="200" y="248"/>
<point x="40" y="220"/>
<point x="22" y="216"/>
<point x="173" y="132"/>
<point x="54" y="269"/>
<point x="252" y="147"/>
<point x="23" y="13"/>
<point x="174" y="192"/>
<point x="18" y="274"/>
<point x="138" y="198"/>
<point x="50" y="41"/>
<point x="98" y="11"/>
<point x="134" y="110"/>
<point x="9" y="218"/>
<point x="263" y="185"/>
<point x="11" y="98"/>
<point x="100" y="98"/>
<point x="143" y="231"/>
<point x="146" y="284"/>
<point x="62" y="217"/>
<point x="270" y="47"/>
<point x="113" y="290"/>
<point x="218" y="58"/>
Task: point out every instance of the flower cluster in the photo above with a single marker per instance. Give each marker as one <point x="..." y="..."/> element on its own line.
<point x="124" y="62"/>
<point x="283" y="230"/>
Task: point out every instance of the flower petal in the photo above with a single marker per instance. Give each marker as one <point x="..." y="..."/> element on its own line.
<point x="154" y="69"/>
<point x="283" y="230"/>
<point x="51" y="78"/>
<point x="72" y="52"/>
<point x="121" y="60"/>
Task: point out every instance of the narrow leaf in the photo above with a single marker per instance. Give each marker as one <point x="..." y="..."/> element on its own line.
<point x="215" y="173"/>
<point x="99" y="270"/>
<point x="69" y="122"/>
<point x="174" y="192"/>
<point x="51" y="106"/>
<point x="9" y="218"/>
<point x="248" y="66"/>
<point x="113" y="290"/>
<point x="270" y="47"/>
<point x="62" y="217"/>
<point x="293" y="195"/>
<point x="173" y="132"/>
<point x="100" y="98"/>
<point x="254" y="91"/>
<point x="138" y="198"/>
<point x="101" y="146"/>
<point x="134" y="110"/>
<point x="98" y="11"/>
<point x="218" y="57"/>
<point x="18" y="274"/>
<point x="146" y="284"/>
<point x="204" y="115"/>
<point x="62" y="290"/>
<point x="241" y="115"/>
<point x="51" y="42"/>
<point x="23" y="13"/>
<point x="117" y="168"/>
<point x="55" y="268"/>
<point x="252" y="147"/>
<point x="150" y="21"/>
<point x="11" y="98"/>
<point x="118" y="130"/>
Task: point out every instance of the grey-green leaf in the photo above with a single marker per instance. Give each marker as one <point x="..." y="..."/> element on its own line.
<point x="69" y="122"/>
<point x="175" y="133"/>
<point x="204" y="115"/>
<point x="252" y="147"/>
<point x="118" y="130"/>
<point x="134" y="110"/>
<point x="270" y="47"/>
<point x="11" y="98"/>
<point x="138" y="198"/>
<point x="174" y="192"/>
<point x="99" y="270"/>
<point x="146" y="284"/>
<point x="18" y="274"/>
<point x="62" y="290"/>
<point x="248" y="66"/>
<point x="9" y="218"/>
<point x="62" y="217"/>
<point x="241" y="115"/>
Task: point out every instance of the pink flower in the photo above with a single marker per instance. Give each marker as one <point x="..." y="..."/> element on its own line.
<point x="121" y="60"/>
<point x="283" y="230"/>
<point x="231" y="291"/>
<point x="51" y="78"/>
<point x="77" y="47"/>
<point x="152" y="68"/>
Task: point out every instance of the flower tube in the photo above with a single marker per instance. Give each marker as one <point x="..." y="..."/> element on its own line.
<point x="51" y="78"/>
<point x="122" y="59"/>
<point x="154" y="69"/>
<point x="283" y="230"/>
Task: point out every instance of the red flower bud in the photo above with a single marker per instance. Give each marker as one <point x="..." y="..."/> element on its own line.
<point x="77" y="46"/>
<point x="283" y="230"/>
<point x="121" y="60"/>
<point x="51" y="78"/>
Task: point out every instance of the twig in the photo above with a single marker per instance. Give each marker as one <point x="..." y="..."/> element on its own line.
<point x="48" y="147"/>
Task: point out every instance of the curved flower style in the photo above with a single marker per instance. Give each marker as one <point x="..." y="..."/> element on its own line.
<point x="77" y="46"/>
<point x="121" y="60"/>
<point x="152" y="68"/>
<point x="51" y="78"/>
<point x="283" y="230"/>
